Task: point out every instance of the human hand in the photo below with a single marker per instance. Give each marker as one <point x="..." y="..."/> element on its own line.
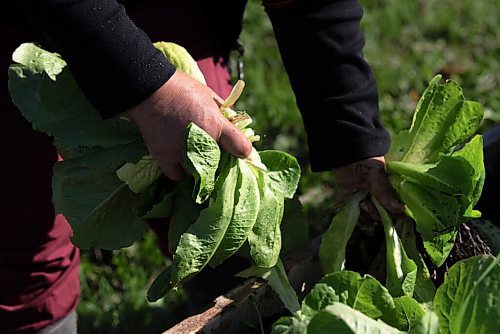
<point x="369" y="175"/>
<point x="163" y="117"/>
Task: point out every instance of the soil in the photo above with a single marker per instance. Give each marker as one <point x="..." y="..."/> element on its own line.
<point x="468" y="243"/>
<point x="366" y="252"/>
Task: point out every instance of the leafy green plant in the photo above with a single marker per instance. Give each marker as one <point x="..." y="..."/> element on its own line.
<point x="351" y="301"/>
<point x="467" y="301"/>
<point x="438" y="183"/>
<point x="438" y="172"/>
<point x="345" y="302"/>
<point x="108" y="184"/>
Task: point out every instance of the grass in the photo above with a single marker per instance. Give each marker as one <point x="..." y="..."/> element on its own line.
<point x="407" y="43"/>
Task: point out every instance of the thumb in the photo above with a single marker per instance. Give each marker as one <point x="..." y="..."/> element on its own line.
<point x="384" y="193"/>
<point x="233" y="141"/>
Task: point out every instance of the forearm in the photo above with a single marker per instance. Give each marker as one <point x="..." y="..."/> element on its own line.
<point x="321" y="45"/>
<point x="112" y="60"/>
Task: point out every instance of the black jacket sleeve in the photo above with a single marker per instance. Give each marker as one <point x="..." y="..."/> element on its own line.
<point x="321" y="46"/>
<point x="113" y="61"/>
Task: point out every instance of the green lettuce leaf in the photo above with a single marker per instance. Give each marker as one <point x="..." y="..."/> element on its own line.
<point x="185" y="212"/>
<point x="436" y="215"/>
<point x="201" y="156"/>
<point x="278" y="280"/>
<point x="428" y="324"/>
<point x="160" y="286"/>
<point x="155" y="199"/>
<point x="340" y="318"/>
<point x="140" y="175"/>
<point x="38" y="60"/>
<point x="162" y="209"/>
<point x="467" y="301"/>
<point x="265" y="237"/>
<point x="283" y="171"/>
<point x="440" y="246"/>
<point x="364" y="294"/>
<point x="439" y="185"/>
<point x="55" y="105"/>
<point x="443" y="119"/>
<point x="246" y="209"/>
<point x="401" y="270"/>
<point x="434" y="212"/>
<point x="440" y="196"/>
<point x="200" y="241"/>
<point x="289" y="325"/>
<point x="406" y="314"/>
<point x="333" y="245"/>
<point x="101" y="209"/>
<point x="451" y="176"/>
<point x="424" y="288"/>
<point x="320" y="296"/>
<point x="472" y="152"/>
<point x="181" y="59"/>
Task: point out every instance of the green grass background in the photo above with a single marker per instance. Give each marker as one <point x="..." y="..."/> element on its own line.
<point x="407" y="43"/>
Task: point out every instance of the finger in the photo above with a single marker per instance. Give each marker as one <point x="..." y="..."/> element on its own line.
<point x="174" y="172"/>
<point x="233" y="141"/>
<point x="383" y="192"/>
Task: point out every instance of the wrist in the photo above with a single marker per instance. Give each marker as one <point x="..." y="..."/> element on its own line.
<point x="156" y="102"/>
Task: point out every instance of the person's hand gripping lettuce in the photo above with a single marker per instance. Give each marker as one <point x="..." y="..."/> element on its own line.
<point x="163" y="117"/>
<point x="369" y="175"/>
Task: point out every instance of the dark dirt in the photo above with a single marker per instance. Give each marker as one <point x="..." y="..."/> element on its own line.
<point x="366" y="252"/>
<point x="468" y="243"/>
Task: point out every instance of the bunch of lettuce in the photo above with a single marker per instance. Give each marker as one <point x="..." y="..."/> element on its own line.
<point x="436" y="167"/>
<point x="346" y="302"/>
<point x="108" y="184"/>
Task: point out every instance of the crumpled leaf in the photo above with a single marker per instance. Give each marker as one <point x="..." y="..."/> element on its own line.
<point x="38" y="60"/>
<point x="443" y="119"/>
<point x="265" y="237"/>
<point x="467" y="301"/>
<point x="181" y="59"/>
<point x="200" y="241"/>
<point x="246" y="209"/>
<point x="283" y="171"/>
<point x="140" y="175"/>
<point x="201" y="156"/>
<point x="364" y="294"/>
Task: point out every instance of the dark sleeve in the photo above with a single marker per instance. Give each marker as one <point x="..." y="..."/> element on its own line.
<point x="113" y="61"/>
<point x="321" y="46"/>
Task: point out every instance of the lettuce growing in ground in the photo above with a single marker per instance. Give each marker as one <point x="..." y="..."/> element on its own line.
<point x="436" y="166"/>
<point x="346" y="302"/>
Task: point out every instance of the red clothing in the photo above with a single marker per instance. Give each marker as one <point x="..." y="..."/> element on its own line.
<point x="38" y="263"/>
